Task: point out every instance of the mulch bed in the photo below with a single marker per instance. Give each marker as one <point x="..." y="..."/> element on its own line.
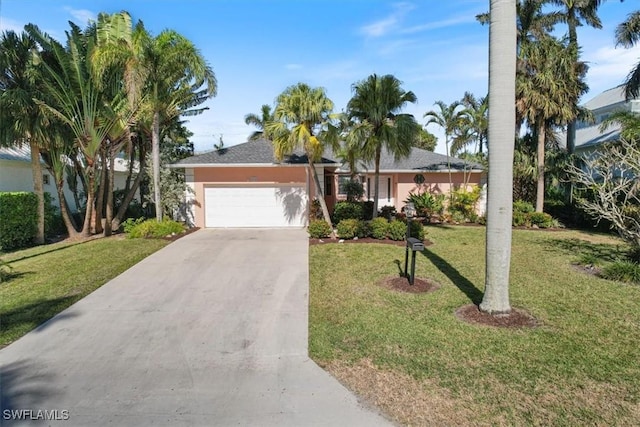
<point x="516" y="319"/>
<point x="401" y="284"/>
<point x="363" y="240"/>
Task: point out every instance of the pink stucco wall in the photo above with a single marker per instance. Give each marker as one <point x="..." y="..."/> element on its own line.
<point x="437" y="183"/>
<point x="234" y="175"/>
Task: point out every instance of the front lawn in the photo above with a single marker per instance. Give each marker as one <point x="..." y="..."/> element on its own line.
<point x="409" y="353"/>
<point x="47" y="279"/>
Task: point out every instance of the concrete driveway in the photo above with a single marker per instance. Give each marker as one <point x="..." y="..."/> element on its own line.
<point x="209" y="331"/>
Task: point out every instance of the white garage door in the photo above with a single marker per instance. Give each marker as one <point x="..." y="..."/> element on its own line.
<point x="255" y="206"/>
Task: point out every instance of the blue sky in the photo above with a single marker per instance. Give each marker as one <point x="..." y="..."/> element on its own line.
<point x="258" y="47"/>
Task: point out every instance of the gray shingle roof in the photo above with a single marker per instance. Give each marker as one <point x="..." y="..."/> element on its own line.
<point x="21" y="153"/>
<point x="607" y="98"/>
<point x="252" y="152"/>
<point x="590" y="136"/>
<point x="261" y="152"/>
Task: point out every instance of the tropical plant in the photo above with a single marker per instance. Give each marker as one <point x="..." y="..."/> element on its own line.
<point x="574" y="13"/>
<point x="319" y="229"/>
<point x="628" y="35"/>
<point x="543" y="98"/>
<point x="379" y="228"/>
<point x="260" y="122"/>
<point x="347" y="210"/>
<point x="397" y="230"/>
<point x="629" y="122"/>
<point x="475" y="113"/>
<point x="20" y="119"/>
<point x="425" y="140"/>
<point x="502" y="72"/>
<point x="302" y="120"/>
<point x="153" y="229"/>
<point x="375" y="110"/>
<point x="449" y="118"/>
<point x="427" y="204"/>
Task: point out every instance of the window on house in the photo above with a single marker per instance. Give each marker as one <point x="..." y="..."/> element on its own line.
<point x="388" y="189"/>
<point x="368" y="188"/>
<point x="328" y="179"/>
<point x="342" y="181"/>
<point x="45" y="179"/>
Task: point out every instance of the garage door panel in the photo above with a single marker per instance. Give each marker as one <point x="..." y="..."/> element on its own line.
<point x="259" y="206"/>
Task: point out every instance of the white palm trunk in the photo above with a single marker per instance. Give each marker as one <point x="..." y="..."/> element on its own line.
<point x="502" y="77"/>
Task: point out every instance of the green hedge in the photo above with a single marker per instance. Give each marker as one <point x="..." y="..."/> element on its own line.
<point x="18" y="219"/>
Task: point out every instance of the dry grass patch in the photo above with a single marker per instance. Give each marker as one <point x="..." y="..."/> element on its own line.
<point x="403" y="398"/>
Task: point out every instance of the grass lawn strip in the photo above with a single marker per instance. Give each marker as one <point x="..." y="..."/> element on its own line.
<point x="578" y="366"/>
<point x="47" y="279"/>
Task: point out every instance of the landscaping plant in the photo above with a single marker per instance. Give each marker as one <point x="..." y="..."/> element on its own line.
<point x="318" y="229"/>
<point x="397" y="230"/>
<point x="347" y="210"/>
<point x="348" y="228"/>
<point x="154" y="229"/>
<point x="379" y="228"/>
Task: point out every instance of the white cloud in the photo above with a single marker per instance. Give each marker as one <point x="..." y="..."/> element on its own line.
<point x="608" y="67"/>
<point x="81" y="15"/>
<point x="293" y="66"/>
<point x="466" y="19"/>
<point x="384" y="26"/>
<point x="10" y="25"/>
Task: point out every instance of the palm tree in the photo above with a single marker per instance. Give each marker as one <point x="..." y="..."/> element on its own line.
<point x="259" y="121"/>
<point x="476" y="111"/>
<point x="449" y="119"/>
<point x="20" y="121"/>
<point x="628" y="35"/>
<point x="575" y="13"/>
<point x="301" y="117"/>
<point x="502" y="72"/>
<point x="542" y="97"/>
<point x="167" y="72"/>
<point x="73" y="98"/>
<point x="375" y="110"/>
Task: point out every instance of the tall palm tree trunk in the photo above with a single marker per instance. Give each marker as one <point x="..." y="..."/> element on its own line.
<point x="502" y="119"/>
<point x="109" y="205"/>
<point x="376" y="182"/>
<point x="319" y="195"/>
<point x="91" y="181"/>
<point x="36" y="171"/>
<point x="101" y="190"/>
<point x="540" y="167"/>
<point x="155" y="154"/>
<point x="69" y="223"/>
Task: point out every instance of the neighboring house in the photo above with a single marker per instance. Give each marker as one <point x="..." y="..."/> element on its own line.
<point x="244" y="186"/>
<point x="588" y="135"/>
<point x="16" y="175"/>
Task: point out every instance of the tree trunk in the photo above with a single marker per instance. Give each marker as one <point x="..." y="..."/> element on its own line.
<point x="109" y="206"/>
<point x="376" y="182"/>
<point x="155" y="153"/>
<point x="36" y="171"/>
<point x="319" y="193"/>
<point x="115" y="224"/>
<point x="86" y="228"/>
<point x="100" y="192"/>
<point x="68" y="220"/>
<point x="540" y="167"/>
<point x="502" y="119"/>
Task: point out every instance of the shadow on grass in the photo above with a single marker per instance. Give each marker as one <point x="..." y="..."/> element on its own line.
<point x="461" y="282"/>
<point x="21" y="319"/>
<point x="24" y="386"/>
<point x="577" y="247"/>
<point x="8" y="259"/>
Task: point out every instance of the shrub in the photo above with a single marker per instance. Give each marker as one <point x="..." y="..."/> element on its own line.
<point x="348" y="228"/>
<point x="397" y="230"/>
<point x="379" y="228"/>
<point x="53" y="223"/>
<point x="623" y="271"/>
<point x="541" y="219"/>
<point x="464" y="202"/>
<point x="18" y="219"/>
<point x="364" y="229"/>
<point x="347" y="210"/>
<point x="523" y="207"/>
<point x="367" y="210"/>
<point x="427" y="204"/>
<point x="520" y="219"/>
<point x="388" y="212"/>
<point x="153" y="229"/>
<point x="318" y="228"/>
<point x="354" y="190"/>
<point x="416" y="229"/>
